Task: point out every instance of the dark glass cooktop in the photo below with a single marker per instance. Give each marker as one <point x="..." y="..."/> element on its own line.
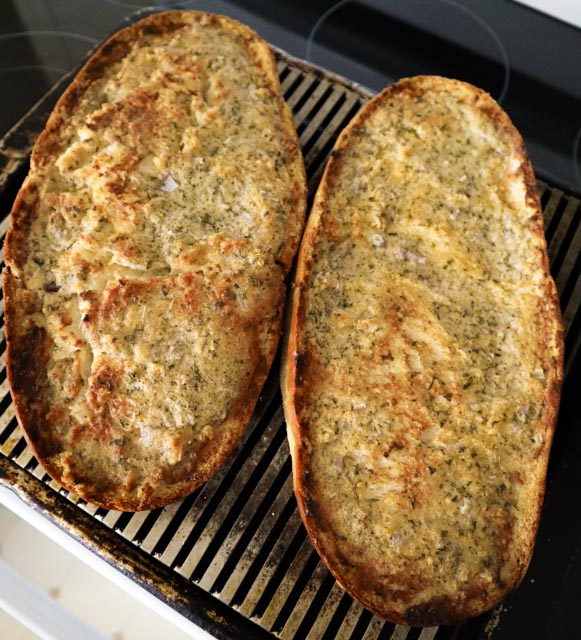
<point x="525" y="59"/>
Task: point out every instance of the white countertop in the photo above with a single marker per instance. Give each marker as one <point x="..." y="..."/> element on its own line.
<point x="40" y="565"/>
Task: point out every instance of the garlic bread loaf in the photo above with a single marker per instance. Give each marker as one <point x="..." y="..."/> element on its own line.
<point x="422" y="376"/>
<point x="146" y="257"/>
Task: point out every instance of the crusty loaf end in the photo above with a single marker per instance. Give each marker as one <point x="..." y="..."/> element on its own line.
<point x="424" y="360"/>
<point x="146" y="257"/>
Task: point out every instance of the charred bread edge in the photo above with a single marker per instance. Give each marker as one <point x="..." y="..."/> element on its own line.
<point x="33" y="344"/>
<point x="445" y="611"/>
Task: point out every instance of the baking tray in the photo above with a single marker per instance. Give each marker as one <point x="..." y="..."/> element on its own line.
<point x="233" y="557"/>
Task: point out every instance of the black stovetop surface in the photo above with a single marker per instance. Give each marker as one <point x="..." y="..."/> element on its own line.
<point x="526" y="60"/>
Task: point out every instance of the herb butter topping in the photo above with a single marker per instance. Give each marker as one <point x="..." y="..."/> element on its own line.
<point x="426" y="345"/>
<point x="167" y="196"/>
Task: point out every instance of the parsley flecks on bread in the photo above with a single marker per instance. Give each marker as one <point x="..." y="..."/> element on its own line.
<point x="424" y="363"/>
<point x="146" y="258"/>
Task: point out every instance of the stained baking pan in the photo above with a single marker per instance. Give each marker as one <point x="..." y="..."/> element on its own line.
<point x="234" y="557"/>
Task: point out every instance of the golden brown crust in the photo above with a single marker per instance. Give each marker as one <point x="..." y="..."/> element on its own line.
<point x="408" y="595"/>
<point x="137" y="340"/>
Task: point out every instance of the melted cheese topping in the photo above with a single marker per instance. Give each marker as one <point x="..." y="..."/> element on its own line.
<point x="424" y="351"/>
<point x="170" y="205"/>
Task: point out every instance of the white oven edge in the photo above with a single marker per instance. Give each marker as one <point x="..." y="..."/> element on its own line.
<point x="37" y="611"/>
<point x="11" y="501"/>
<point x="565" y="10"/>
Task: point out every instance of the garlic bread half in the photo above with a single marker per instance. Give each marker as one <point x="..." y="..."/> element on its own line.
<point x="422" y="376"/>
<point x="146" y="257"/>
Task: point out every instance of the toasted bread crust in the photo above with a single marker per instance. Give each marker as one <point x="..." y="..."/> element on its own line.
<point x="382" y="532"/>
<point x="141" y="323"/>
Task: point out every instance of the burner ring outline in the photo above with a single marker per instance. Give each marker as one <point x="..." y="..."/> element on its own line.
<point x="491" y="32"/>
<point x="174" y="4"/>
<point x="575" y="157"/>
<point x="46" y="32"/>
<point x="34" y="67"/>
